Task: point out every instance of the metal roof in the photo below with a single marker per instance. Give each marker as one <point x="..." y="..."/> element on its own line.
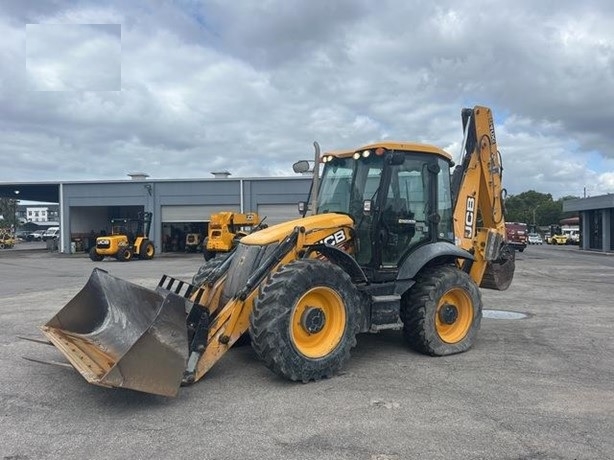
<point x="49" y="192"/>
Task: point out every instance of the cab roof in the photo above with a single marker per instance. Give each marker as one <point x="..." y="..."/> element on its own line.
<point x="393" y="145"/>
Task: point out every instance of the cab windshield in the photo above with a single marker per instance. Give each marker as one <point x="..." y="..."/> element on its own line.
<point x="346" y="183"/>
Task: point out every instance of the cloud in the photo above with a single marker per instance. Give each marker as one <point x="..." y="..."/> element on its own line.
<point x="247" y="86"/>
<point x="65" y="57"/>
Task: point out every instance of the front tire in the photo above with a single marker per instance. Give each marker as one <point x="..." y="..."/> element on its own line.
<point x="94" y="256"/>
<point x="205" y="270"/>
<point x="124" y="254"/>
<point x="305" y="320"/>
<point x="442" y="313"/>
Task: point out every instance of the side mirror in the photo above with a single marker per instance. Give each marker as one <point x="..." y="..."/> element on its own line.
<point x="301" y="167"/>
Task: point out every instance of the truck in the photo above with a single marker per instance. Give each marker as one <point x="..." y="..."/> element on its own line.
<point x="398" y="240"/>
<point x="516" y="234"/>
<point x="572" y="232"/>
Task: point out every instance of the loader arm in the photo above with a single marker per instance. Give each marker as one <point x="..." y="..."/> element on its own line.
<point x="479" y="220"/>
<point x="217" y="326"/>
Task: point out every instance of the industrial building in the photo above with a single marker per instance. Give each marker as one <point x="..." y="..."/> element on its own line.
<point x="178" y="206"/>
<point x="596" y="221"/>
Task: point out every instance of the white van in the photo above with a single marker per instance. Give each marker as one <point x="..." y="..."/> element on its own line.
<point x="51" y="233"/>
<point x="572" y="232"/>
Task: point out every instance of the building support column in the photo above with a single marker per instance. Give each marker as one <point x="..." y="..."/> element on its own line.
<point x="585" y="230"/>
<point x="605" y="229"/>
<point x="64" y="241"/>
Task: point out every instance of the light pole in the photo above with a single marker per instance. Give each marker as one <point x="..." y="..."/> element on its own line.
<point x="535" y="209"/>
<point x="15" y="219"/>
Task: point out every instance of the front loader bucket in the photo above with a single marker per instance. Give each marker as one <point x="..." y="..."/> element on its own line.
<point x="119" y="334"/>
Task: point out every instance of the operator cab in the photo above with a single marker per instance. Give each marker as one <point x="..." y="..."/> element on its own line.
<point x="398" y="195"/>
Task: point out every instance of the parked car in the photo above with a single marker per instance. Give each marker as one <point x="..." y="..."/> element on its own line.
<point x="51" y="233"/>
<point x="535" y="238"/>
<point x="22" y="235"/>
<point x="36" y="235"/>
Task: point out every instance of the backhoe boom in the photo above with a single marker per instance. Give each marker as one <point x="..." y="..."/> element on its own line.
<point x="479" y="221"/>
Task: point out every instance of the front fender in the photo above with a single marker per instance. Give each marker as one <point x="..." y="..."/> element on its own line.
<point x="341" y="258"/>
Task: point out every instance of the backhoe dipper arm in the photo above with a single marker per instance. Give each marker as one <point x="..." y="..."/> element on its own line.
<point x="478" y="193"/>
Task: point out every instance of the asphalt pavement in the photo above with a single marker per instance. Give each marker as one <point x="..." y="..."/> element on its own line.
<point x="533" y="388"/>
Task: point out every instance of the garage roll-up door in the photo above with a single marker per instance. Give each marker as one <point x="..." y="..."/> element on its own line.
<point x="276" y="213"/>
<point x="191" y="213"/>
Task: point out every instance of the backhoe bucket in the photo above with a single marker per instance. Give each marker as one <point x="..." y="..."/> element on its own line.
<point x="500" y="272"/>
<point x="119" y="334"/>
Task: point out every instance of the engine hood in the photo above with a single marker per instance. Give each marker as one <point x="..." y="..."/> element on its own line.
<point x="277" y="232"/>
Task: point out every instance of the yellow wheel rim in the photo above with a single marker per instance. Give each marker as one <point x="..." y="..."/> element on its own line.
<point x="318" y="322"/>
<point x="150" y="250"/>
<point x="454" y="316"/>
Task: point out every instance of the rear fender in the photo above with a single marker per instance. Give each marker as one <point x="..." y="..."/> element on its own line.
<point x="138" y="244"/>
<point x="441" y="251"/>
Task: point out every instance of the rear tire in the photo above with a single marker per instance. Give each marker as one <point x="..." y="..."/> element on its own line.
<point x="94" y="256"/>
<point x="442" y="313"/>
<point x="305" y="320"/>
<point x="147" y="251"/>
<point x="124" y="254"/>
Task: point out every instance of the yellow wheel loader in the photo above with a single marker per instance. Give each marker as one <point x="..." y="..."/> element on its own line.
<point x="393" y="243"/>
<point x="7" y="240"/>
<point x="226" y="229"/>
<point x="129" y="238"/>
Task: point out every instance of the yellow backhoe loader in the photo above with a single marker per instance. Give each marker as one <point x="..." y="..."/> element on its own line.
<point x="394" y="242"/>
<point x="129" y="238"/>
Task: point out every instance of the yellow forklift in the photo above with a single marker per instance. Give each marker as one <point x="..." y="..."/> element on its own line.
<point x="129" y="238"/>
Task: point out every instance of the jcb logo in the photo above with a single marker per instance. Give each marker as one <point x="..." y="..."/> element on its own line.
<point x="334" y="239"/>
<point x="469" y="217"/>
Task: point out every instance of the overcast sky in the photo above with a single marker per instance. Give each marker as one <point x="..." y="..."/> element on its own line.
<point x="178" y="89"/>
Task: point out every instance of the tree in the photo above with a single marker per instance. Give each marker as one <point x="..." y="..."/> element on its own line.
<point x="8" y="208"/>
<point x="535" y="208"/>
<point x="532" y="207"/>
